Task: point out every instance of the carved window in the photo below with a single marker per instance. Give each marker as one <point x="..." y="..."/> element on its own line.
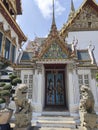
<point x="28" y="79"/>
<point x="25" y="79"/>
<point x="86" y="80"/>
<point x="1" y="41"/>
<point x="7" y="49"/>
<point x="13" y="53"/>
<point x="80" y="80"/>
<point x="18" y="73"/>
<point x="83" y="80"/>
<point x="30" y="86"/>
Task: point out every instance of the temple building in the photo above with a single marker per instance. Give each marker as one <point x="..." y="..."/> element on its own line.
<point x="11" y="36"/>
<point x="54" y="69"/>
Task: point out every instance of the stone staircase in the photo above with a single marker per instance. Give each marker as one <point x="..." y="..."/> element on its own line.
<point x="55" y="121"/>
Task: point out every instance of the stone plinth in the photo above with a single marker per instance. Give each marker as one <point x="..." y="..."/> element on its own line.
<point x="88" y="120"/>
<point x="84" y="128"/>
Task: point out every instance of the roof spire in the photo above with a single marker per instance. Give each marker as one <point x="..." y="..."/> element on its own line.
<point x="53" y="26"/>
<point x="72" y="10"/>
<point x="72" y="6"/>
<point x="53" y="15"/>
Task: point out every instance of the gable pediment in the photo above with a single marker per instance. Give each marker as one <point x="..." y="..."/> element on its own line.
<point x="54" y="52"/>
<point x="86" y="19"/>
<point x="54" y="49"/>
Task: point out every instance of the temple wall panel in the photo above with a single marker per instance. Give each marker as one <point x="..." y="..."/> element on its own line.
<point x="73" y="90"/>
<point x="94" y="88"/>
<point x="92" y="84"/>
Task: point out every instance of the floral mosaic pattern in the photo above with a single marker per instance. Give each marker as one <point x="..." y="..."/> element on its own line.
<point x="54" y="52"/>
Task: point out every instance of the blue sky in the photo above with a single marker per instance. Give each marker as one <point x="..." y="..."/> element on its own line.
<point x="37" y="16"/>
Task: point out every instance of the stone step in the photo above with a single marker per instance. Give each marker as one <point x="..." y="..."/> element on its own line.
<point x="56" y="118"/>
<point x="55" y="113"/>
<point x="45" y="128"/>
<point x="56" y="122"/>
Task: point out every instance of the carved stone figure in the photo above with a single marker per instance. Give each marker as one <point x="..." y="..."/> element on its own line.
<point x="91" y="49"/>
<point x="23" y="112"/>
<point x="88" y="116"/>
<point x="87" y="100"/>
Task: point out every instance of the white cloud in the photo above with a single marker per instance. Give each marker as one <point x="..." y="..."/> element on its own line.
<point x="18" y="20"/>
<point x="45" y="7"/>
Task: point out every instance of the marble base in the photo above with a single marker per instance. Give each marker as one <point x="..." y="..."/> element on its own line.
<point x="84" y="128"/>
<point x="88" y="120"/>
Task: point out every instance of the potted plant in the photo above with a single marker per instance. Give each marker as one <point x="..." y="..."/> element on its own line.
<point x="6" y="93"/>
<point x="5" y="112"/>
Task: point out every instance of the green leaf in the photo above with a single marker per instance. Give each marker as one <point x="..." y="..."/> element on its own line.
<point x="16" y="80"/>
<point x="12" y="76"/>
<point x="2" y="84"/>
<point x="4" y="93"/>
<point x="7" y="87"/>
<point x="2" y="100"/>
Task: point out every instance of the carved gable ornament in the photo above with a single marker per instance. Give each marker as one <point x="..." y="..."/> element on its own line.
<point x="86" y="18"/>
<point x="54" y="52"/>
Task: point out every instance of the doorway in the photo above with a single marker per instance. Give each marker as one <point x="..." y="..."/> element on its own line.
<point x="55" y="86"/>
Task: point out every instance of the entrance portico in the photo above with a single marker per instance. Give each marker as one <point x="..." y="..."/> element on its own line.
<point x="53" y="87"/>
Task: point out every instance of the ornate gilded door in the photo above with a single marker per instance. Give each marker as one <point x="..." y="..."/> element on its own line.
<point x="55" y="91"/>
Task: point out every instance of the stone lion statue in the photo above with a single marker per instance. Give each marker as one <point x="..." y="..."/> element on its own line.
<point x="23" y="112"/>
<point x="87" y="100"/>
<point x="88" y="117"/>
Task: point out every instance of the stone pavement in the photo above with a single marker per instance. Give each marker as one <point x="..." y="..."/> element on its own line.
<point x="46" y="128"/>
<point x="54" y="128"/>
<point x="43" y="128"/>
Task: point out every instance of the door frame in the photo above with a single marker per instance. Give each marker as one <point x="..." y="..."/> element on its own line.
<point x="59" y="68"/>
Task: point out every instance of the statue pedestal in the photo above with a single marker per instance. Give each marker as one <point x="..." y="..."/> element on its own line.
<point x="84" y="128"/>
<point x="88" y="121"/>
